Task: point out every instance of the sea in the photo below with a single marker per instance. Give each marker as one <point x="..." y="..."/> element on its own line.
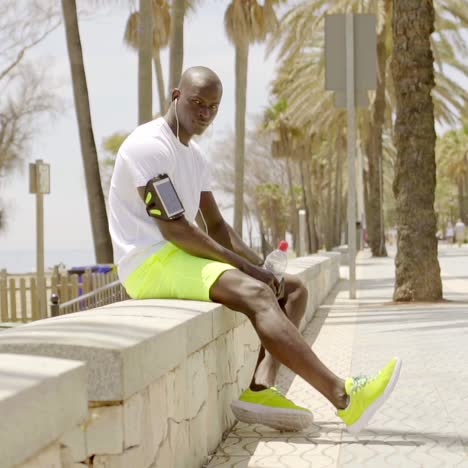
<point x="24" y="261"/>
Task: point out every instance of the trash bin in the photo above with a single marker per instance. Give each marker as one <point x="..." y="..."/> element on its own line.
<point x="80" y="270"/>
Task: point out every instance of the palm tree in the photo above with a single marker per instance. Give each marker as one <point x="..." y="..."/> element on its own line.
<point x="97" y="208"/>
<point x="417" y="265"/>
<point x="320" y="141"/>
<point x="261" y="170"/>
<point x="311" y="108"/>
<point x="300" y="36"/>
<point x="145" y="54"/>
<point x="245" y="22"/>
<point x="161" y="29"/>
<point x="375" y="225"/>
<point x="176" y="52"/>
<point x="300" y="81"/>
<point x="283" y="146"/>
<point x="452" y="164"/>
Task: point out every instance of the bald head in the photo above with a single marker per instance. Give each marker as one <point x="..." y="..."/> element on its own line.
<point x="200" y="77"/>
<point x="195" y="101"/>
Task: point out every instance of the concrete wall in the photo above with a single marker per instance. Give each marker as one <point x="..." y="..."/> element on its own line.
<point x="149" y="383"/>
<point x="40" y="400"/>
<point x="343" y="250"/>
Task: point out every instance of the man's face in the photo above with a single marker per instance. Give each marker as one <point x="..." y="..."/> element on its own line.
<point x="197" y="106"/>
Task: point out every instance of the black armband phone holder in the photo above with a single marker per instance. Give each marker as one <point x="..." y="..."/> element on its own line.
<point x="161" y="199"/>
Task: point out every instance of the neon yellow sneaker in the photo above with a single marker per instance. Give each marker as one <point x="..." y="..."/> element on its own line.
<point x="367" y="395"/>
<point x="271" y="408"/>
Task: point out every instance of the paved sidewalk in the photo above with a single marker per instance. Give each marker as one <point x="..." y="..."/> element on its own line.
<point x="425" y="421"/>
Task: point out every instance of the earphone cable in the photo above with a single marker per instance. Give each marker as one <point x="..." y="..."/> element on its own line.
<point x="177" y="118"/>
<point x="204" y="222"/>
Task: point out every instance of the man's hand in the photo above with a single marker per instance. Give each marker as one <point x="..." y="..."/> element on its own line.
<point x="266" y="277"/>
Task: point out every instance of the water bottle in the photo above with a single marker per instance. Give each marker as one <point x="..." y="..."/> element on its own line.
<point x="277" y="260"/>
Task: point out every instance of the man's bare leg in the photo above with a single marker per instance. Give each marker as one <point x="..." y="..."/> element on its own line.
<point x="278" y="335"/>
<point x="293" y="305"/>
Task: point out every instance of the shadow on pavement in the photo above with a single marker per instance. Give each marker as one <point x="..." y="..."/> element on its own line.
<point x="381" y="283"/>
<point x="403" y="317"/>
<point x="441" y="437"/>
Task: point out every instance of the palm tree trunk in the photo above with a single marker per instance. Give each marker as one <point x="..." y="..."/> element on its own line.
<point x="293" y="206"/>
<point x="306" y="208"/>
<point x="176" y="49"/>
<point x="311" y="213"/>
<point x="242" y="57"/>
<point x="417" y="265"/>
<point x="158" y="72"/>
<point x="365" y="176"/>
<point x="250" y="229"/>
<point x="97" y="207"/>
<point x="329" y="214"/>
<point x="375" y="227"/>
<point x="461" y="196"/>
<point x="465" y="183"/>
<point x="266" y="248"/>
<point x="145" y="54"/>
<point x="338" y="194"/>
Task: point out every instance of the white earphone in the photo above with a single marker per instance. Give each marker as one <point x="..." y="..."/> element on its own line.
<point x="177" y="118"/>
<point x="177" y="132"/>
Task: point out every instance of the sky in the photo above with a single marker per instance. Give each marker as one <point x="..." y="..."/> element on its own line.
<point x="111" y="70"/>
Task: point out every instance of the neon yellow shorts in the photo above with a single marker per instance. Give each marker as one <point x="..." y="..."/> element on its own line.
<point x="172" y="273"/>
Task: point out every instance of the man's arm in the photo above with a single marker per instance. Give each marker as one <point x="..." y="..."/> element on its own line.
<point x="221" y="231"/>
<point x="194" y="241"/>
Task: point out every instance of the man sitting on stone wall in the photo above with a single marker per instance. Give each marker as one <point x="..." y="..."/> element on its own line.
<point x="161" y="253"/>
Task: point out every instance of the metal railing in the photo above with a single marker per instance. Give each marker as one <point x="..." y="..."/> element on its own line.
<point x="104" y="295"/>
<point x="19" y="298"/>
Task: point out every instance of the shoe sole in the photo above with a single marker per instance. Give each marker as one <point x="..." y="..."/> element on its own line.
<point x="362" y="422"/>
<point x="282" y="419"/>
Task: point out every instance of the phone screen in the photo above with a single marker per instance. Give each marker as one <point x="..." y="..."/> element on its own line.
<point x="169" y="197"/>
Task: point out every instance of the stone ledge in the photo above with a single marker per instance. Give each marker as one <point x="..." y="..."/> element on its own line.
<point x="40" y="399"/>
<point x="161" y="374"/>
<point x="126" y="345"/>
<point x="343" y="251"/>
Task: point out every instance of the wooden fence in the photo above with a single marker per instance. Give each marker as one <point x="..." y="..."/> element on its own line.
<point x="19" y="299"/>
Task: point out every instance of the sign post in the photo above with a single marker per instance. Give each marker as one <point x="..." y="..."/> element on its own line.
<point x="39" y="184"/>
<point x="350" y="70"/>
<point x="351" y="108"/>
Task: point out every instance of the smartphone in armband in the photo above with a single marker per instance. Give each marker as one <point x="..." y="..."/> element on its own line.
<point x="161" y="199"/>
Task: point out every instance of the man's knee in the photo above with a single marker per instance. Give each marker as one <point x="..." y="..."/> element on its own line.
<point x="258" y="297"/>
<point x="242" y="293"/>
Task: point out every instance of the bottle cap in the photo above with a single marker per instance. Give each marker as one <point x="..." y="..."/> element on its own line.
<point x="283" y="245"/>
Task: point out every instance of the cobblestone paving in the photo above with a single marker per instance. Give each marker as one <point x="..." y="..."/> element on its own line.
<point x="425" y="421"/>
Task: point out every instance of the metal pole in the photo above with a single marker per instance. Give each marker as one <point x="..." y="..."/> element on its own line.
<point x="54" y="305"/>
<point x="350" y="101"/>
<point x="302" y="233"/>
<point x="40" y="246"/>
<point x="360" y="197"/>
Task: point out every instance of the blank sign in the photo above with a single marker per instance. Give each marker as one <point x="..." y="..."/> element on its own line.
<point x="365" y="52"/>
<point x="39" y="177"/>
<point x="43" y="178"/>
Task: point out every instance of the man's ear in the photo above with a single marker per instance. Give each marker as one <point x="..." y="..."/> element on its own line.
<point x="175" y="93"/>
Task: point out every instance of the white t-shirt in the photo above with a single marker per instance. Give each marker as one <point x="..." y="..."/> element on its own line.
<point x="150" y="150"/>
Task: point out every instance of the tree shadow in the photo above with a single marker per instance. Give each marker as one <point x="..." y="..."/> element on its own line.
<point x="326" y="433"/>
